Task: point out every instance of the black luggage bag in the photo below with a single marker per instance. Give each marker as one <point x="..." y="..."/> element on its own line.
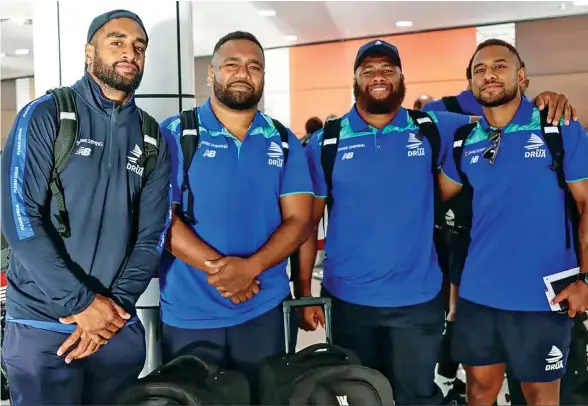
<point x="188" y="380"/>
<point x="321" y="374"/>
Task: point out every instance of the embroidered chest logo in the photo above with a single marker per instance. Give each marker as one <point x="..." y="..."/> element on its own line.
<point x="134" y="160"/>
<point x="276" y="155"/>
<point x="415" y="146"/>
<point x="534" y="147"/>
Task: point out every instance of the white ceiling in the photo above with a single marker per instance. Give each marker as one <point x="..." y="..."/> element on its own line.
<point x="310" y="21"/>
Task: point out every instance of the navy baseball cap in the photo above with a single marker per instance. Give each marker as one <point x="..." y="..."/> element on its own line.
<point x="378" y="46"/>
<point x="102" y="19"/>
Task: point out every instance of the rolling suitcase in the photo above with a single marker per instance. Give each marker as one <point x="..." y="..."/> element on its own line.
<point x="188" y="380"/>
<point x="320" y="374"/>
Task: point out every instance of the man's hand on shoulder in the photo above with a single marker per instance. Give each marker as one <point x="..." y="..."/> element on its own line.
<point x="231" y="275"/>
<point x="559" y="107"/>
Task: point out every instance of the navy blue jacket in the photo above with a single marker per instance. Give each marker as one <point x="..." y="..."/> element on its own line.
<point x="50" y="277"/>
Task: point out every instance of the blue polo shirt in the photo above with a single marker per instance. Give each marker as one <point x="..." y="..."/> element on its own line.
<point x="379" y="249"/>
<point x="237" y="188"/>
<point x="518" y="229"/>
<point x="466" y="101"/>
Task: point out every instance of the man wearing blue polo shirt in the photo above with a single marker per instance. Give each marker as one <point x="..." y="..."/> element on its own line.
<point x="518" y="236"/>
<point x="252" y="207"/>
<point x="381" y="267"/>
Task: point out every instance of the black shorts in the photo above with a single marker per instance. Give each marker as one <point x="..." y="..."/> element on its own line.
<point x="534" y="345"/>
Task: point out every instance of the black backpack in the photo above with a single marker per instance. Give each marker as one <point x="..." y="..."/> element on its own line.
<point x="427" y="129"/>
<point x="320" y="374"/>
<point x="188" y="380"/>
<point x="452" y="105"/>
<point x="65" y="143"/>
<point x="190" y="142"/>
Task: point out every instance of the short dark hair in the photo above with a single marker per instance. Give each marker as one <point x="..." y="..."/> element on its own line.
<point x="313" y="125"/>
<point x="490" y="43"/>
<point x="235" y="36"/>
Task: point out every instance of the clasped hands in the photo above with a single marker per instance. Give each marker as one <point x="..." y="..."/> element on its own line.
<point x="234" y="277"/>
<point x="95" y="326"/>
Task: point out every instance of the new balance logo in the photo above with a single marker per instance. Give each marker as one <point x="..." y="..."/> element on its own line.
<point x="209" y="153"/>
<point x="342" y="400"/>
<point x="347" y="155"/>
<point x="554" y="359"/>
<point x="276" y="155"/>
<point x="133" y="159"/>
<point x="84" y="151"/>
<point x="414" y="146"/>
<point x="534" y="147"/>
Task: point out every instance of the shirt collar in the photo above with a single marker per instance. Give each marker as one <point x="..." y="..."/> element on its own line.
<point x="209" y="120"/>
<point x="522" y="116"/>
<point x="358" y="124"/>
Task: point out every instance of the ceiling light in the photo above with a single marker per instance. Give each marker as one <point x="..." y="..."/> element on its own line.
<point x="563" y="6"/>
<point x="404" y="23"/>
<point x="2" y="54"/>
<point x="580" y="3"/>
<point x="21" y="52"/>
<point x="266" y="13"/>
<point x="290" y="37"/>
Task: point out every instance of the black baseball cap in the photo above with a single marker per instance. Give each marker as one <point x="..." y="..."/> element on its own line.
<point x="378" y="46"/>
<point x="102" y="19"/>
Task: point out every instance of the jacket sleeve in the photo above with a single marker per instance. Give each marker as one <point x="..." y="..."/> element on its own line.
<point x="27" y="163"/>
<point x="154" y="221"/>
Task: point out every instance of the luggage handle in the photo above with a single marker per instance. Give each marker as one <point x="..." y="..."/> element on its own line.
<point x="321" y="347"/>
<point x="324" y="302"/>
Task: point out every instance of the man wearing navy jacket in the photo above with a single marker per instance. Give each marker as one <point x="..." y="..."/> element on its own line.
<point x="67" y="297"/>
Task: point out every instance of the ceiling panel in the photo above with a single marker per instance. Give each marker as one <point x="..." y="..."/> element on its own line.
<point x="309" y="21"/>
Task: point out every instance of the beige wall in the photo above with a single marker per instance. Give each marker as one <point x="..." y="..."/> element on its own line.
<point x="555" y="52"/>
<point x="8" y="103"/>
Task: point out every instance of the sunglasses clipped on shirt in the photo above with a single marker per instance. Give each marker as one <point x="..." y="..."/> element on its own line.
<point x="490" y="153"/>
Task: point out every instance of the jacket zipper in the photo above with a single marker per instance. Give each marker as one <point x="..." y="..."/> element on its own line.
<point x="113" y="116"/>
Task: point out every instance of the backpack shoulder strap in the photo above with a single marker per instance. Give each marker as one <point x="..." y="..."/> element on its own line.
<point x="189" y="141"/>
<point x="452" y="105"/>
<point x="459" y="139"/>
<point x="554" y="141"/>
<point x="553" y="138"/>
<point x="151" y="139"/>
<point x="284" y="136"/>
<point x="63" y="148"/>
<point x="429" y="129"/>
<point x="331" y="133"/>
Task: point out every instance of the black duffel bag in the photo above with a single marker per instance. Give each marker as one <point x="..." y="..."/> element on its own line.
<point x="321" y="374"/>
<point x="188" y="380"/>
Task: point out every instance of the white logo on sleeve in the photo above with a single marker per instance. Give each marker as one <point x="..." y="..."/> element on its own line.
<point x="534" y="147"/>
<point x="414" y="146"/>
<point x="347" y="155"/>
<point x="554" y="359"/>
<point x="133" y="159"/>
<point x="276" y="155"/>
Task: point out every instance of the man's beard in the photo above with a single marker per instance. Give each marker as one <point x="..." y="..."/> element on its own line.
<point x="108" y="75"/>
<point x="385" y="106"/>
<point x="236" y="100"/>
<point x="505" y="96"/>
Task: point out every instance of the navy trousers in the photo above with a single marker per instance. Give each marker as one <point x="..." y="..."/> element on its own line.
<point x="37" y="376"/>
<point x="403" y="343"/>
<point x="242" y="347"/>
